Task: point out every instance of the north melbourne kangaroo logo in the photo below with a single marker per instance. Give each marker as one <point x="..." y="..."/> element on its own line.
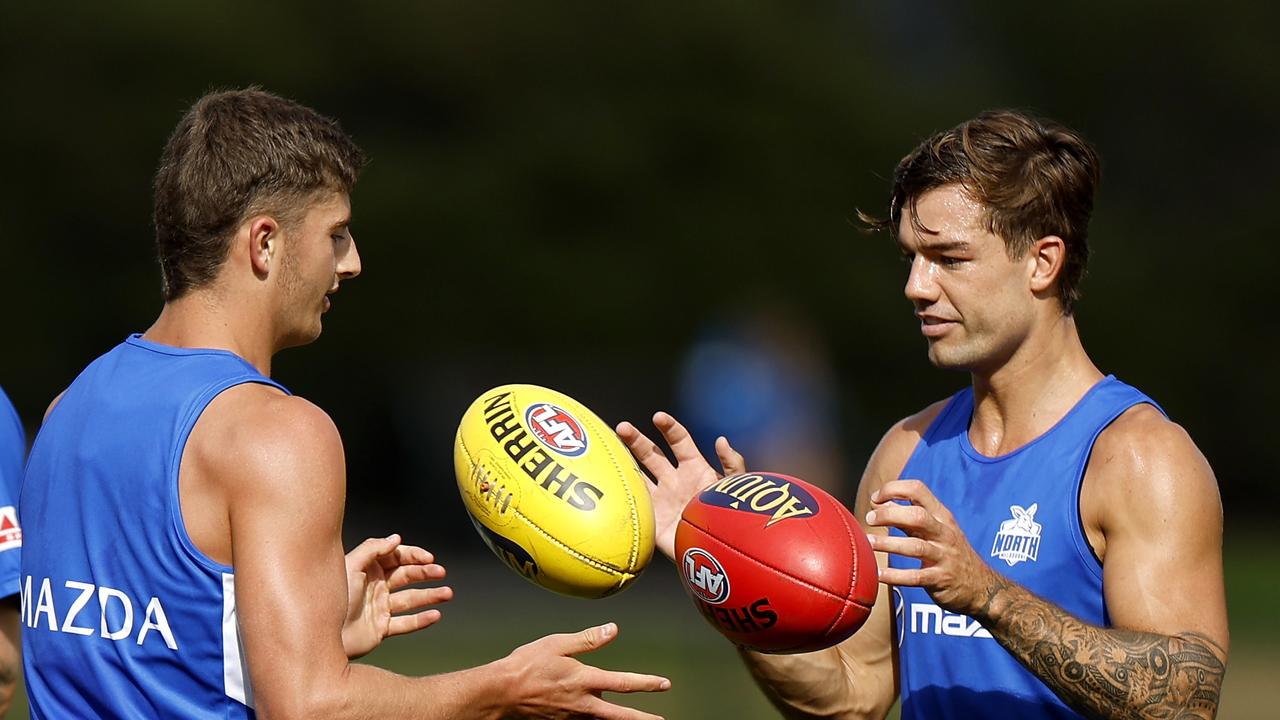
<point x="1019" y="538"/>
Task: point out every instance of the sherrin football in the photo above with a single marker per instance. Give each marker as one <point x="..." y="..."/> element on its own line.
<point x="776" y="564"/>
<point x="553" y="491"/>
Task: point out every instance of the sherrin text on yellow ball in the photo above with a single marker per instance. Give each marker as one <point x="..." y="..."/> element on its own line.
<point x="553" y="491"/>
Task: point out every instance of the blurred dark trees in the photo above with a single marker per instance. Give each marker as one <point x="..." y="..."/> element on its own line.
<point x="564" y="193"/>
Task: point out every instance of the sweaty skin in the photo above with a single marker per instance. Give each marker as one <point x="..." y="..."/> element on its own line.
<point x="262" y="486"/>
<point x="1149" y="502"/>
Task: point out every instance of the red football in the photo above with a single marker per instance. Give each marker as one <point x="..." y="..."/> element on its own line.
<point x="776" y="564"/>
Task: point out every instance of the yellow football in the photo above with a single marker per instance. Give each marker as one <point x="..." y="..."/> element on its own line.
<point x="553" y="491"/>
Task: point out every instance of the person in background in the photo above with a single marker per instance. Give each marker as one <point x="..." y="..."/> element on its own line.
<point x="13" y="448"/>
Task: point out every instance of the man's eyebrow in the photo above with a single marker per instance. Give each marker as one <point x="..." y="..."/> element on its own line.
<point x="344" y="222"/>
<point x="940" y="246"/>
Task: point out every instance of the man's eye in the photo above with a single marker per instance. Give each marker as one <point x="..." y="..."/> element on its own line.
<point x="951" y="261"/>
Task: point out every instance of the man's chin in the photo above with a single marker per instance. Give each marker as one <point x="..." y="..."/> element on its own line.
<point x="948" y="358"/>
<point x="302" y="337"/>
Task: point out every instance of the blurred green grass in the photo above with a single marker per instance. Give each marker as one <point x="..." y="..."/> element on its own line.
<point x="494" y="611"/>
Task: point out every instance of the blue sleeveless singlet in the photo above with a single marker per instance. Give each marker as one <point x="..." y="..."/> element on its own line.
<point x="122" y="616"/>
<point x="1020" y="512"/>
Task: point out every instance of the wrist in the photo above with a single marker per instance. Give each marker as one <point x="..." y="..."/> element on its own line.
<point x="501" y="687"/>
<point x="994" y="600"/>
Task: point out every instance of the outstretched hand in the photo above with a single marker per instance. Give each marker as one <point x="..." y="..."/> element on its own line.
<point x="547" y="682"/>
<point x="379" y="602"/>
<point x="676" y="484"/>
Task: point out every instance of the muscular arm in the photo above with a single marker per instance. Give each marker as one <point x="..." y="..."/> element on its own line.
<point x="857" y="678"/>
<point x="1150" y="507"/>
<point x="275" y="465"/>
<point x="1156" y="506"/>
<point x="1108" y="672"/>
<point x="283" y="467"/>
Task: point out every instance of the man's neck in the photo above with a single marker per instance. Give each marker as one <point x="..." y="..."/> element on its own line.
<point x="200" y="320"/>
<point x="1030" y="392"/>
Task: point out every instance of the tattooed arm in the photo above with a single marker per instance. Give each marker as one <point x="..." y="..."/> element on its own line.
<point x="1150" y="509"/>
<point x="1107" y="672"/>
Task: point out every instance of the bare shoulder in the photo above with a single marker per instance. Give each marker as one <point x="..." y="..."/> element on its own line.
<point x="253" y="433"/>
<point x="900" y="441"/>
<point x="895" y="448"/>
<point x="1144" y="459"/>
<point x="1145" y="476"/>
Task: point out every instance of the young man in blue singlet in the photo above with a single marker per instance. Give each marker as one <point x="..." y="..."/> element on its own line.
<point x="184" y="511"/>
<point x="1051" y="539"/>
<point x="13" y="448"/>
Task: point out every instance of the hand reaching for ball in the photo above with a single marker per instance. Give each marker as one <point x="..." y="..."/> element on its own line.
<point x="676" y="484"/>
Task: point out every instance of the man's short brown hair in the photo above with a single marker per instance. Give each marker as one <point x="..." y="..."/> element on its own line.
<point x="1033" y="178"/>
<point x="237" y="153"/>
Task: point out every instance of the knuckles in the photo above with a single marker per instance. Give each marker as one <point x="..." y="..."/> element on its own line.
<point x="915" y="487"/>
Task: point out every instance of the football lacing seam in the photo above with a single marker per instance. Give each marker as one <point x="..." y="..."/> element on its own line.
<point x="631" y="501"/>
<point x="471" y="461"/>
<point x="853" y="576"/>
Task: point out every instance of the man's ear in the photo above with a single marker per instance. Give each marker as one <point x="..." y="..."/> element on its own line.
<point x="1045" y="261"/>
<point x="264" y="242"/>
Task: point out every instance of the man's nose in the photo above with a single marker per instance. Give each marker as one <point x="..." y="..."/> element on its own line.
<point x="922" y="286"/>
<point x="349" y="262"/>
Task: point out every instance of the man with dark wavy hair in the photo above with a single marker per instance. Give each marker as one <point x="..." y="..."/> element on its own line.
<point x="1052" y="540"/>
<point x="184" y="510"/>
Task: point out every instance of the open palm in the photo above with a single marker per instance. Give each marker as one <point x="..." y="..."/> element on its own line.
<point x="380" y="602"/>
<point x="676" y="484"/>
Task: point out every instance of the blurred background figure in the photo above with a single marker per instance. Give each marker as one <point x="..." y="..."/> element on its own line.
<point x="762" y="377"/>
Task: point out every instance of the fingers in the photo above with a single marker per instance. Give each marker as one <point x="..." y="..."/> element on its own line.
<point x="911" y="519"/>
<point x="405" y="555"/>
<point x="604" y="710"/>
<point x="681" y="442"/>
<point x="417" y="598"/>
<point x="730" y="460"/>
<point x="372" y="549"/>
<point x="902" y="576"/>
<point x="645" y="451"/>
<point x="626" y="682"/>
<point x="925" y="515"/>
<point x="907" y="546"/>
<point x="410" y="574"/>
<point x="912" y="491"/>
<point x="585" y="641"/>
<point x="405" y="624"/>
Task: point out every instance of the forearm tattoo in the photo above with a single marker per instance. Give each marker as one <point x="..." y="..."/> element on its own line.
<point x="1106" y="672"/>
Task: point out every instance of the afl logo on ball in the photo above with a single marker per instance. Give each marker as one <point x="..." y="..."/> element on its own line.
<point x="705" y="577"/>
<point x="557" y="429"/>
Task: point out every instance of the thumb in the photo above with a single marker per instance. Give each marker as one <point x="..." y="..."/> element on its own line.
<point x="373" y="548"/>
<point x="731" y="460"/>
<point x="593" y="638"/>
